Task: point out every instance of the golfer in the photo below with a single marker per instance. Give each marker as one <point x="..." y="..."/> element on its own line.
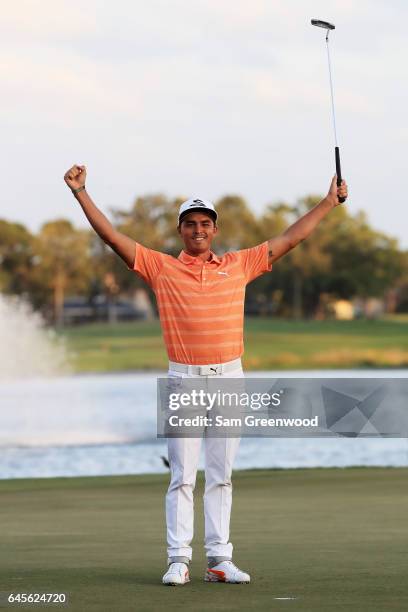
<point x="200" y="299"/>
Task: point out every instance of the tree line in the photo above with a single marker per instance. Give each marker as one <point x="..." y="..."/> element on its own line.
<point x="344" y="258"/>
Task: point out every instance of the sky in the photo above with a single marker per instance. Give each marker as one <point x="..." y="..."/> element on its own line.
<point x="202" y="98"/>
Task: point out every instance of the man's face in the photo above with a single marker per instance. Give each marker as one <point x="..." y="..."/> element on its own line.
<point x="197" y="232"/>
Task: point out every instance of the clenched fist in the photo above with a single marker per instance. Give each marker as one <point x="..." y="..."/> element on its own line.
<point x="75" y="177"/>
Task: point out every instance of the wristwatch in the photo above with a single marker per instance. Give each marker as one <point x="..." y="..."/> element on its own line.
<point x="75" y="191"/>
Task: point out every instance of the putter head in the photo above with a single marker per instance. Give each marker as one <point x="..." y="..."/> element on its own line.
<point x="323" y="24"/>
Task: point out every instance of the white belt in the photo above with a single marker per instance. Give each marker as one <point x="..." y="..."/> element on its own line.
<point x="212" y="369"/>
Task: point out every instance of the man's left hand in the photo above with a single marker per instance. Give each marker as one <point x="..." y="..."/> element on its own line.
<point x="337" y="192"/>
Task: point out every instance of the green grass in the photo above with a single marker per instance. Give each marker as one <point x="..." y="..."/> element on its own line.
<point x="334" y="539"/>
<point x="269" y="344"/>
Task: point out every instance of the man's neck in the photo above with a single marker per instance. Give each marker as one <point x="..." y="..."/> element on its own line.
<point x="204" y="256"/>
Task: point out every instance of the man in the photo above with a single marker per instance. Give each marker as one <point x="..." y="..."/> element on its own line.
<point x="200" y="299"/>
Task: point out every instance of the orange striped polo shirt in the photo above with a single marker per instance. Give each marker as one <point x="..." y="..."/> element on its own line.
<point x="201" y="304"/>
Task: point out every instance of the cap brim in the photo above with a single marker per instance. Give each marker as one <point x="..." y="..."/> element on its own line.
<point x="205" y="211"/>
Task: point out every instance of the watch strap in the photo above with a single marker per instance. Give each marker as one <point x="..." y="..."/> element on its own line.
<point x="75" y="191"/>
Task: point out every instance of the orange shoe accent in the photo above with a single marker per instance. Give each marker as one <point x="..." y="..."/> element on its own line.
<point x="220" y="574"/>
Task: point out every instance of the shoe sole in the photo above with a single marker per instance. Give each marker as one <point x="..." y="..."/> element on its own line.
<point x="212" y="578"/>
<point x="176" y="583"/>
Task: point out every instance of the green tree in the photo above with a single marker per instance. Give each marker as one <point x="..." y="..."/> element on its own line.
<point x="365" y="262"/>
<point x="152" y="221"/>
<point x="238" y="226"/>
<point x="16" y="257"/>
<point x="344" y="257"/>
<point x="63" y="264"/>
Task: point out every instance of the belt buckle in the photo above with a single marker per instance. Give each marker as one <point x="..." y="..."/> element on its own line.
<point x="209" y="370"/>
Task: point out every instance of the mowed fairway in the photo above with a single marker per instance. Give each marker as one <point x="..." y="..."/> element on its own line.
<point x="332" y="539"/>
<point x="269" y="344"/>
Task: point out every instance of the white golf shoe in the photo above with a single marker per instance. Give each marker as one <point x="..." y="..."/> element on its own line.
<point x="226" y="571"/>
<point x="177" y="573"/>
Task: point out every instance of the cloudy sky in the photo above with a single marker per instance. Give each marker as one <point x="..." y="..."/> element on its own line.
<point x="202" y="97"/>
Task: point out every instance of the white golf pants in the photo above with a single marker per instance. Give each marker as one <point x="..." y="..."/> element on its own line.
<point x="184" y="456"/>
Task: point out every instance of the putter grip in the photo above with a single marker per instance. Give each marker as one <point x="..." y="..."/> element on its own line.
<point x="338" y="171"/>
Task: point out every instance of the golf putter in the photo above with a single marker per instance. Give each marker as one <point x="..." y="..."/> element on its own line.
<point x="329" y="26"/>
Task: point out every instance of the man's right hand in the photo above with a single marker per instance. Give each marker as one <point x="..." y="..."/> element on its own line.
<point x="75" y="177"/>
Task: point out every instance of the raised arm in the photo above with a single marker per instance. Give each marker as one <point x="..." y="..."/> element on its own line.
<point x="304" y="226"/>
<point x="124" y="246"/>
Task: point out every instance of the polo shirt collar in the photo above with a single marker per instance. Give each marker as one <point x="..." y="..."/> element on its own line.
<point x="190" y="259"/>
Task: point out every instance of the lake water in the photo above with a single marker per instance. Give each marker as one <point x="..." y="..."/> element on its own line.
<point x="106" y="424"/>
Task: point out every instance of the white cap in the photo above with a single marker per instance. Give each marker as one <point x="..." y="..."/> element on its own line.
<point x="197" y="205"/>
